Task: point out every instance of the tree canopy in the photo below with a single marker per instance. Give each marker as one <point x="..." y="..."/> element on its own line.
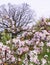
<point x="15" y="18"/>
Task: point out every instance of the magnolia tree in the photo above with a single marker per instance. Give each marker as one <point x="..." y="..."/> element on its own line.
<point x="32" y="47"/>
<point x="16" y="18"/>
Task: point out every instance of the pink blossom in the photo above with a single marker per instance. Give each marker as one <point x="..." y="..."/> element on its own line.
<point x="43" y="61"/>
<point x="48" y="44"/>
<point x="25" y="49"/>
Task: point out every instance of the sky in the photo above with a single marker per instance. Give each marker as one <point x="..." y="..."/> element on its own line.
<point x="41" y="7"/>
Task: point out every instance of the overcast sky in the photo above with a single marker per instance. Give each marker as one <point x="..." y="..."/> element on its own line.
<point x="41" y="7"/>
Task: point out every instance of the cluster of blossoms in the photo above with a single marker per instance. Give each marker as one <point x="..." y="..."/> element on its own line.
<point x="5" y="54"/>
<point x="29" y="48"/>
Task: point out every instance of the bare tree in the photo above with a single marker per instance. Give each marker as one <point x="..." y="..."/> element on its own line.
<point x="15" y="18"/>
